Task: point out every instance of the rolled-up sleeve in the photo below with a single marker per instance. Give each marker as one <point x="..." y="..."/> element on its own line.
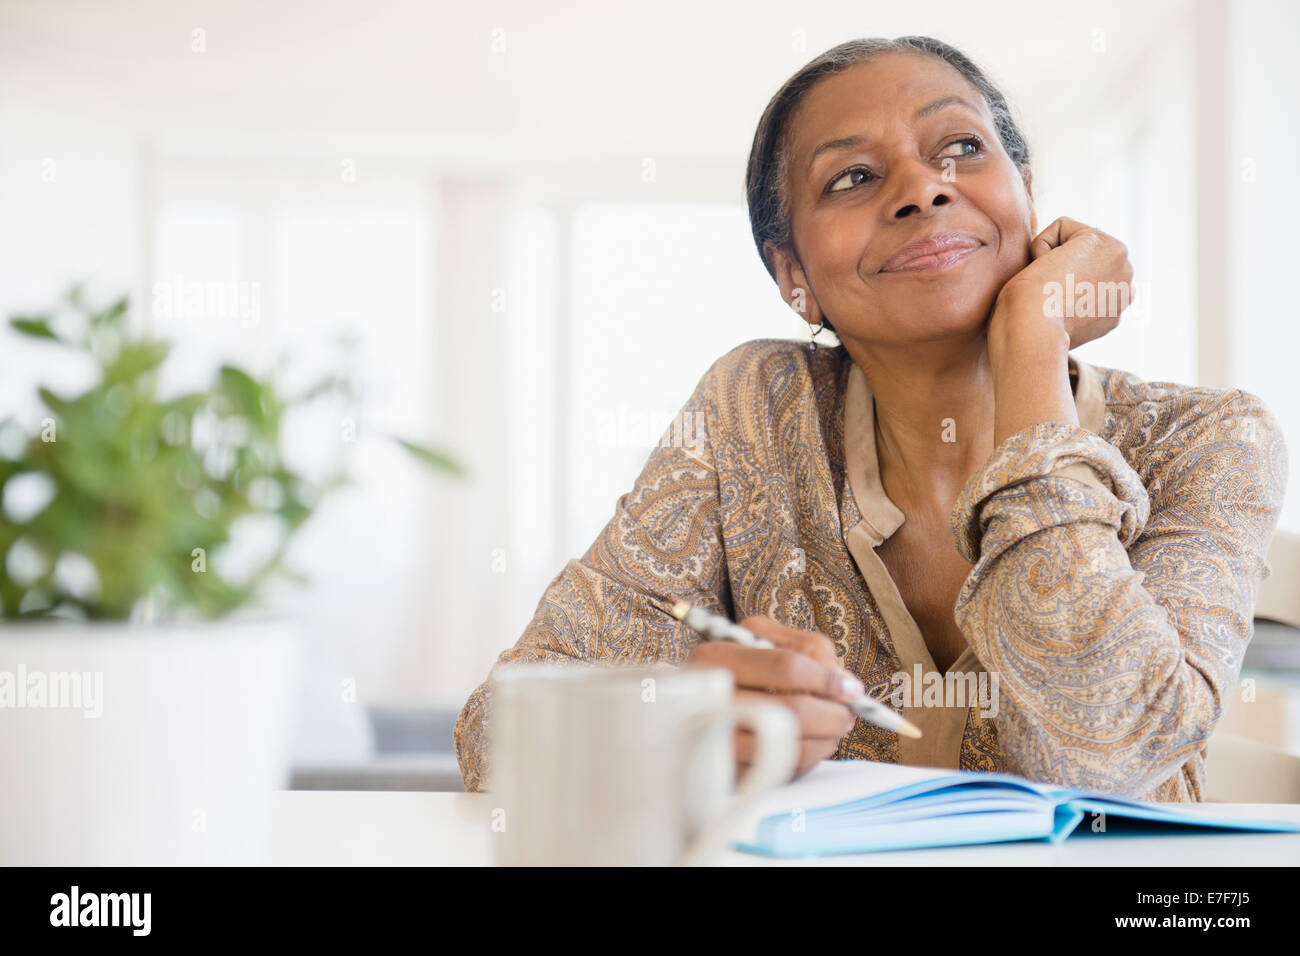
<point x="1114" y="608"/>
<point x="662" y="544"/>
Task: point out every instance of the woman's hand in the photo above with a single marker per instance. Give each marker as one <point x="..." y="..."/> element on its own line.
<point x="1073" y="291"/>
<point x="1086" y="306"/>
<point x="804" y="674"/>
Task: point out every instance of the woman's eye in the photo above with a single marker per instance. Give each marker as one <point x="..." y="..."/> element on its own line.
<point x="973" y="141"/>
<point x="847" y="174"/>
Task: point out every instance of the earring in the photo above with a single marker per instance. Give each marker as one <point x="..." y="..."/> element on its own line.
<point x="816" y="330"/>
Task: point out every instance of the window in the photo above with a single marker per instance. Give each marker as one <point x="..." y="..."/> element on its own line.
<point x="659" y="292"/>
<point x="258" y="269"/>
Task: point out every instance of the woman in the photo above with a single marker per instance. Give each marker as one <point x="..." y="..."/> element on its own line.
<point x="948" y="492"/>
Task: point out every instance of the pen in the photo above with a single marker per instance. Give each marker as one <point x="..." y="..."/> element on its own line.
<point x="717" y="628"/>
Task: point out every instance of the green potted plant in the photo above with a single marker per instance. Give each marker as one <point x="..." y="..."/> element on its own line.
<point x="146" y="698"/>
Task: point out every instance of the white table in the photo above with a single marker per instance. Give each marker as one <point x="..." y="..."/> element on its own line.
<point x="327" y="828"/>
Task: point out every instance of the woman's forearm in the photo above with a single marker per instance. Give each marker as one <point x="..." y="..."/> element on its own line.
<point x="1114" y="617"/>
<point x="1100" y="686"/>
<point x="1028" y="354"/>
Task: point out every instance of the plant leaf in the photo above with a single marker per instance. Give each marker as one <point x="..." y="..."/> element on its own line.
<point x="52" y="401"/>
<point x="432" y="457"/>
<point x="38" y="327"/>
<point x="112" y="315"/>
<point x="135" y="359"/>
<point x="244" y="392"/>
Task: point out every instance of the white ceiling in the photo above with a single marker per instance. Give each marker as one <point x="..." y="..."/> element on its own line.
<point x="667" y="77"/>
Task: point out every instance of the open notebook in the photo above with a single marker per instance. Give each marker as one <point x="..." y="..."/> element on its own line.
<point x="858" y="806"/>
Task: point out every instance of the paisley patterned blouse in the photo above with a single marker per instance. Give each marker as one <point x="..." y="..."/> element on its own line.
<point x="1115" y="567"/>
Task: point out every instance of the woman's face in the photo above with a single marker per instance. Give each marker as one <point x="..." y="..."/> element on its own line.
<point x="904" y="178"/>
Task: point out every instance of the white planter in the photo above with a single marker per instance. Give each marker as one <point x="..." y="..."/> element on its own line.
<point x="180" y="766"/>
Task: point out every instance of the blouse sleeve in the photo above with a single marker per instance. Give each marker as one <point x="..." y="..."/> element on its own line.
<point x="1113" y="608"/>
<point x="663" y="543"/>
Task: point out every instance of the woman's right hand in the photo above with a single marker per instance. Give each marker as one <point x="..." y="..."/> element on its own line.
<point x="804" y="674"/>
<point x="1069" y="254"/>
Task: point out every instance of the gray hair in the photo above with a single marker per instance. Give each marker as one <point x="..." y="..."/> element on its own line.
<point x="769" y="157"/>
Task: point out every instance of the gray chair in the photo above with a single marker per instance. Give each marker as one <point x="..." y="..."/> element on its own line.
<point x="1279" y="595"/>
<point x="1254" y="757"/>
<point x="1241" y="770"/>
<point x="413" y="750"/>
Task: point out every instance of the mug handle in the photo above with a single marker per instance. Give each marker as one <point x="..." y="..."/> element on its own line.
<point x="777" y="755"/>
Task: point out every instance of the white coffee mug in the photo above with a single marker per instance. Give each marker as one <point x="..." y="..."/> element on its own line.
<point x="599" y="764"/>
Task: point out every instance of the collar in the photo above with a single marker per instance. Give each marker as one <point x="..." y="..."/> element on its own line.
<point x="881" y="516"/>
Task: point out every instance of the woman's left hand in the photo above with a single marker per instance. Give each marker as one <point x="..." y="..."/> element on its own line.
<point x="1086" y="306"/>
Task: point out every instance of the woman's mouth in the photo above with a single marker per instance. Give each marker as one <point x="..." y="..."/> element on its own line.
<point x="935" y="254"/>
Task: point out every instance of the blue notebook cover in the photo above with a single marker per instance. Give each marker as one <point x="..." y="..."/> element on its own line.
<point x="966" y="807"/>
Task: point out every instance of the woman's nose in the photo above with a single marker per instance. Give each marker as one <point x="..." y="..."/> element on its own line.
<point x="919" y="187"/>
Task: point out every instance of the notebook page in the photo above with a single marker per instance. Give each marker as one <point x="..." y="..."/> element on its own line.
<point x="834" y="781"/>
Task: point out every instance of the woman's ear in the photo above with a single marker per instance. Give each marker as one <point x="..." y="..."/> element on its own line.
<point x="794" y="286"/>
<point x="1029" y="191"/>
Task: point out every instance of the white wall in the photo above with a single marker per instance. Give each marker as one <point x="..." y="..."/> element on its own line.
<point x="1261" y="165"/>
<point x="1107" y="161"/>
<point x="69" y="210"/>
